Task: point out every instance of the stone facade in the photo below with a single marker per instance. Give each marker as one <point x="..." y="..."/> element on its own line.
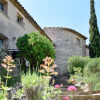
<point x="14" y="22"/>
<point x="87" y="50"/>
<point x="67" y="43"/>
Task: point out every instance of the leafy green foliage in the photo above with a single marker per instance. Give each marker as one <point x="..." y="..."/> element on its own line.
<point x="31" y="86"/>
<point x="29" y="80"/>
<point x="93" y="67"/>
<point x="90" y="75"/>
<point x="78" y="70"/>
<point x="8" y="64"/>
<point x="94" y="45"/>
<point x="13" y="80"/>
<point x="34" y="47"/>
<point x="77" y="62"/>
<point x="19" y="94"/>
<point x="37" y="88"/>
<point x="93" y="81"/>
<point x="2" y="95"/>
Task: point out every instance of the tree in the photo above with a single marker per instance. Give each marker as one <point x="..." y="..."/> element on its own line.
<point x="34" y="47"/>
<point x="94" y="45"/>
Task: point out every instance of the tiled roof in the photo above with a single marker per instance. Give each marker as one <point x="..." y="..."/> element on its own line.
<point x="69" y="30"/>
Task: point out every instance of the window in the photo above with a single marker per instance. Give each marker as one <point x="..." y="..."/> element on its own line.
<point x="20" y="19"/>
<point x="4" y="6"/>
<point x="1" y="6"/>
<point x="78" y="42"/>
<point x="1" y="43"/>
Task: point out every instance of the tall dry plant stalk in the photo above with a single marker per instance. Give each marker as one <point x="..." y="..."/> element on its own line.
<point x="47" y="69"/>
<point x="8" y="64"/>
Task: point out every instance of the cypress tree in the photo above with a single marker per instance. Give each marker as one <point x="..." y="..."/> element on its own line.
<point x="94" y="46"/>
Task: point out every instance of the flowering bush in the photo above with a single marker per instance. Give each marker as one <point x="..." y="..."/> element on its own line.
<point x="8" y="64"/>
<point x="37" y="87"/>
<point x="71" y="88"/>
<point x="47" y="69"/>
<point x="66" y="98"/>
<point x="58" y="86"/>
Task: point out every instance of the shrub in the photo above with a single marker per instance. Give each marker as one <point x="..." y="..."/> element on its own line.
<point x="93" y="81"/>
<point x="37" y="88"/>
<point x="93" y="67"/>
<point x="7" y="66"/>
<point x="35" y="47"/>
<point x="77" y="62"/>
<point x="92" y="73"/>
<point x="31" y="86"/>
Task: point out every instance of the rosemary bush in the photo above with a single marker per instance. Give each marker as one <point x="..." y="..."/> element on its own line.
<point x="37" y="88"/>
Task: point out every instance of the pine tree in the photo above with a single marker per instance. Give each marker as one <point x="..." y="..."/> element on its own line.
<point x="94" y="45"/>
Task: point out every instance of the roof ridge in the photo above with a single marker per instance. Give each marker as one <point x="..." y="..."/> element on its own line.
<point x="68" y="29"/>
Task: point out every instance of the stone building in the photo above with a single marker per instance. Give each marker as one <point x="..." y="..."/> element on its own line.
<point x="15" y="21"/>
<point x="68" y="43"/>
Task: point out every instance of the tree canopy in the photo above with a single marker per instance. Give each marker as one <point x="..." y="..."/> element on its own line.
<point x="94" y="45"/>
<point x="34" y="47"/>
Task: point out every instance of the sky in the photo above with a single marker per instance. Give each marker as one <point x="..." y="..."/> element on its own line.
<point x="72" y="14"/>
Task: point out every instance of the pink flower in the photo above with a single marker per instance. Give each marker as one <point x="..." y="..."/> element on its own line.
<point x="58" y="86"/>
<point x="71" y="88"/>
<point x="66" y="98"/>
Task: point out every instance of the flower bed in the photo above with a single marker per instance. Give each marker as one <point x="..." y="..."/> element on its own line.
<point x="79" y="94"/>
<point x="37" y="85"/>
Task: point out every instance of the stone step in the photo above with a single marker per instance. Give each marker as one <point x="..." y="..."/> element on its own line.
<point x="83" y="97"/>
<point x="80" y="95"/>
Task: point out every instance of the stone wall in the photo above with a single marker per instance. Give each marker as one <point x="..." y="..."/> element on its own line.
<point x="11" y="28"/>
<point x="66" y="46"/>
<point x="87" y="51"/>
